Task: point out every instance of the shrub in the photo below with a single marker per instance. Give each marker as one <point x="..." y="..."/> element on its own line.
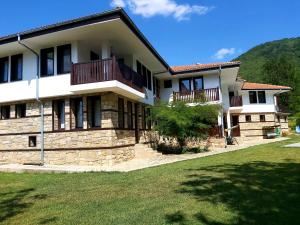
<point x="182" y="122"/>
<point x="284" y="133"/>
<point x="298" y="122"/>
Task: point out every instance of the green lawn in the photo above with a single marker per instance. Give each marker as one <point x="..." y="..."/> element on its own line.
<point x="258" y="185"/>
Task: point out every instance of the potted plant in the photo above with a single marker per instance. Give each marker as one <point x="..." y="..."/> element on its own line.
<point x="298" y="125"/>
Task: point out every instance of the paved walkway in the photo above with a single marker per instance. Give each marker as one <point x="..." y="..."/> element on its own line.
<point x="131" y="165"/>
<point x="296" y="145"/>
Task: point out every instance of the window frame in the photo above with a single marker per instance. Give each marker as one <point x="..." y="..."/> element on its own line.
<point x="129" y="115"/>
<point x="56" y="111"/>
<point x="91" y="112"/>
<point x="248" y="118"/>
<point x="60" y="59"/>
<point x="44" y="62"/>
<point x="15" y="74"/>
<point x="21" y="107"/>
<point x="190" y="85"/>
<point x="121" y="113"/>
<point x="194" y="86"/>
<point x="6" y="109"/>
<point x="264" y="97"/>
<point x="254" y="95"/>
<point x="3" y="61"/>
<point x="262" y="118"/>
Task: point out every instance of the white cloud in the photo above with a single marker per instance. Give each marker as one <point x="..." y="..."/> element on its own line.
<point x="117" y="3"/>
<point x="149" y="8"/>
<point x="224" y="52"/>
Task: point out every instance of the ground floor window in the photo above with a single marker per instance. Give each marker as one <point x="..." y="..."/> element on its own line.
<point x="248" y="118"/>
<point x="77" y="112"/>
<point x="262" y="118"/>
<point x="129" y="115"/>
<point x="94" y="111"/>
<point x="5" y="112"/>
<point x="58" y="114"/>
<point x="121" y="113"/>
<point x="20" y="110"/>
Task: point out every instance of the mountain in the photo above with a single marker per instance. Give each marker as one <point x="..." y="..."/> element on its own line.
<point x="254" y="59"/>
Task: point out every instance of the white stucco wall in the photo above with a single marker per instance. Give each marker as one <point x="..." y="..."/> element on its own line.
<point x="269" y="106"/>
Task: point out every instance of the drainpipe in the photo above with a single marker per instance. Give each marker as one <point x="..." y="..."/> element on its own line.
<point x="221" y="101"/>
<point x="37" y="96"/>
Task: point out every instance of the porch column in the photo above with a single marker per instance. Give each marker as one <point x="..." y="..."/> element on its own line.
<point x="228" y="123"/>
<point x="105" y="50"/>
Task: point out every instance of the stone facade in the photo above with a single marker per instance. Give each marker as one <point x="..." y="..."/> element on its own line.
<point x="105" y="145"/>
<point x="257" y="128"/>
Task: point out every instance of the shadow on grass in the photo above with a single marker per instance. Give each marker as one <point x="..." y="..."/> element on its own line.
<point x="257" y="193"/>
<point x="16" y="202"/>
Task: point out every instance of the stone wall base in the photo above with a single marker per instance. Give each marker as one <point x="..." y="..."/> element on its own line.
<point x="103" y="157"/>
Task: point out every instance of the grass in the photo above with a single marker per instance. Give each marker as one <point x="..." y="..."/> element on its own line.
<point x="258" y="185"/>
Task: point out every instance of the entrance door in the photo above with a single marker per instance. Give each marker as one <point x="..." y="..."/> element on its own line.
<point x="136" y="123"/>
<point x="235" y="122"/>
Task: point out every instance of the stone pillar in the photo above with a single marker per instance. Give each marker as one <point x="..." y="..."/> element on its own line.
<point x="85" y="116"/>
<point x="105" y="50"/>
<point x="12" y="111"/>
<point x="67" y="114"/>
<point x="229" y="123"/>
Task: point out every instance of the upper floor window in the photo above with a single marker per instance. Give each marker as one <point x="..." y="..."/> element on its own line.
<point x="5" y="112"/>
<point x="64" y="59"/>
<point x="168" y="84"/>
<point x="4" y="70"/>
<point x="20" y="110"/>
<point x="257" y="97"/>
<point x="198" y="83"/>
<point x="47" y="62"/>
<point x="146" y="74"/>
<point x="185" y="85"/>
<point x="94" y="111"/>
<point x="261" y="96"/>
<point x="16" y="67"/>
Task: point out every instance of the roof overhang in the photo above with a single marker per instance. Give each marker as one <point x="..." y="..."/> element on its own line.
<point x="84" y="21"/>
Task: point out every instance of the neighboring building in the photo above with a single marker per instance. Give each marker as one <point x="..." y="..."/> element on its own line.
<point x="84" y="99"/>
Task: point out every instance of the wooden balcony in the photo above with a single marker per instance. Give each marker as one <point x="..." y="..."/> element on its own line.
<point x="200" y="96"/>
<point x="105" y="70"/>
<point x="236" y="101"/>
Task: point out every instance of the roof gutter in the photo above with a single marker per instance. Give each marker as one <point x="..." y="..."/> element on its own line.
<point x="37" y="97"/>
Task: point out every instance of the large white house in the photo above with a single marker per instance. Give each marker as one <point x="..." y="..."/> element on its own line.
<point x="77" y="92"/>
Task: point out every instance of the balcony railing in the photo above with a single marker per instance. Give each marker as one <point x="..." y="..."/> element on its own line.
<point x="105" y="70"/>
<point x="236" y="101"/>
<point x="199" y="96"/>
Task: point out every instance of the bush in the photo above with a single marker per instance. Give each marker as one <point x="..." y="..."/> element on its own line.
<point x="285" y="133"/>
<point x="298" y="122"/>
<point x="170" y="149"/>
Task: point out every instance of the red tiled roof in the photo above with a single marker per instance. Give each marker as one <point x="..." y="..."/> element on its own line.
<point x="257" y="86"/>
<point x="188" y="68"/>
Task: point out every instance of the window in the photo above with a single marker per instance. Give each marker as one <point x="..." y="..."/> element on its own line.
<point x="129" y="115"/>
<point x="4" y="70"/>
<point x="94" y="111"/>
<point x="148" y="121"/>
<point x="285" y="118"/>
<point x="20" y="110"/>
<point x="64" y="59"/>
<point x="143" y="117"/>
<point x="16" y="70"/>
<point x="278" y="119"/>
<point x="198" y="83"/>
<point x="252" y="97"/>
<point x="168" y="84"/>
<point x="262" y="118"/>
<point x="5" y="112"/>
<point x="149" y="80"/>
<point x="58" y="114"/>
<point x="145" y="73"/>
<point x="261" y="96"/>
<point x="77" y="109"/>
<point x="47" y="62"/>
<point x="185" y="85"/>
<point x="32" y="141"/>
<point x="248" y="118"/>
<point x="121" y="113"/>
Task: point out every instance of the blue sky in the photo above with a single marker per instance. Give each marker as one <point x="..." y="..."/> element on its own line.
<point x="183" y="31"/>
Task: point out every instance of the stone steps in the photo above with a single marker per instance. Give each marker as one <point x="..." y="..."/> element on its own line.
<point x="145" y="151"/>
